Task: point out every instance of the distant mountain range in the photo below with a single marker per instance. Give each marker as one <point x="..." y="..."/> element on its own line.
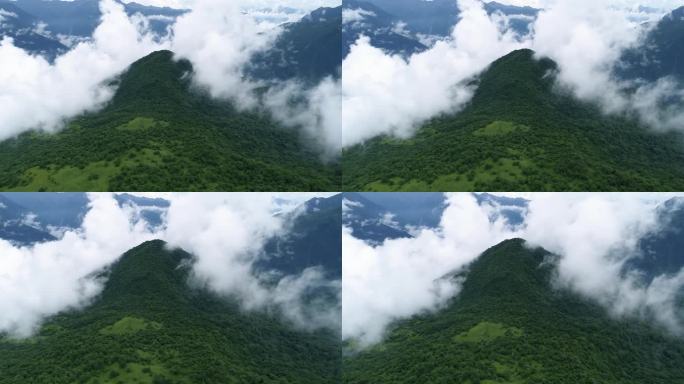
<point x="47" y="27"/>
<point x="659" y="54"/>
<point x="307" y="50"/>
<point x="376" y="217"/>
<point x="406" y="27"/>
<point x="311" y="240"/>
<point x="28" y="218"/>
<point x="151" y="325"/>
<point x="510" y="325"/>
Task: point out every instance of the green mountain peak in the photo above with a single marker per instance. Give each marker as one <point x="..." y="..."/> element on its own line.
<point x="146" y="274"/>
<point x="157" y="82"/>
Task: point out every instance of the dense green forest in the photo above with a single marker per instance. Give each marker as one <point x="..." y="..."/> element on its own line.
<point x="149" y="326"/>
<point x="509" y="325"/>
<point x="160" y="133"/>
<point x="520" y="132"/>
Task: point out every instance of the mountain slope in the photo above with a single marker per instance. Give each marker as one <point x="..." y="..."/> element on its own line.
<point x="149" y="326"/>
<point x="307" y="50"/>
<point x="312" y="240"/>
<point x="520" y="133"/>
<point x="380" y="26"/>
<point x="660" y="54"/>
<point x="18" y="224"/>
<point x="23" y="28"/>
<point x="508" y="325"/>
<point x="160" y="134"/>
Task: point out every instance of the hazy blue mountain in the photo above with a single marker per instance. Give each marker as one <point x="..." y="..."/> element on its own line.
<point x="438" y="17"/>
<point x="662" y="253"/>
<point x="151" y="210"/>
<point x="660" y="54"/>
<point x="313" y="239"/>
<point x="308" y="50"/>
<point x="513" y="209"/>
<point x="18" y="225"/>
<point x="81" y="17"/>
<point x="25" y="29"/>
<point x="369" y="221"/>
<point x="381" y="27"/>
<point x="53" y="209"/>
<point x="414" y="209"/>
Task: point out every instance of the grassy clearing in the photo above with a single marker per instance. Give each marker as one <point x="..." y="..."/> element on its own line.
<point x="94" y="177"/>
<point x="486" y="331"/>
<point x="130" y="325"/>
<point x="142" y="124"/>
<point x="500" y="128"/>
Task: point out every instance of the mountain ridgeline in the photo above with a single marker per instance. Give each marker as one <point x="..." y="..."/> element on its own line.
<point x="149" y="325"/>
<point x="160" y="133"/>
<point x="520" y="132"/>
<point x="510" y="325"/>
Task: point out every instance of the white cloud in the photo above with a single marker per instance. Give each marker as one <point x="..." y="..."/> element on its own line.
<point x="40" y="281"/>
<point x="402" y="277"/>
<point x="216" y="36"/>
<point x="37" y="94"/>
<point x="355" y="15"/>
<point x="226" y="233"/>
<point x="384" y="94"/>
<point x="594" y="235"/>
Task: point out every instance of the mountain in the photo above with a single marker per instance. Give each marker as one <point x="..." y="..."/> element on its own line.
<point x="661" y="252"/>
<point x="364" y="18"/>
<point x="369" y="221"/>
<point x="659" y="54"/>
<point x="27" y="32"/>
<point x="312" y="240"/>
<point x="510" y="325"/>
<point x="149" y="326"/>
<point x="520" y="133"/>
<point x="53" y="209"/>
<point x="159" y="133"/>
<point x="81" y="17"/>
<point x="18" y="225"/>
<point x="307" y="50"/>
<point x="438" y="17"/>
<point x="151" y="210"/>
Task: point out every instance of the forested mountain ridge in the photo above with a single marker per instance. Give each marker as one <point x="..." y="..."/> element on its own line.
<point x="509" y="324"/>
<point x="159" y="133"/>
<point x="520" y="132"/>
<point x="150" y="325"/>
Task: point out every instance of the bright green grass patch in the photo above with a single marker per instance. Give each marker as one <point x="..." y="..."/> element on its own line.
<point x="130" y="325"/>
<point x="500" y="128"/>
<point x="486" y="331"/>
<point x="142" y="124"/>
<point x="94" y="177"/>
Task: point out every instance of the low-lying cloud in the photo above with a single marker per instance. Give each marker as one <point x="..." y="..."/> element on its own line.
<point x="595" y="235"/>
<point x="219" y="38"/>
<point x="403" y="277"/>
<point x="388" y="94"/>
<point x="225" y="232"/>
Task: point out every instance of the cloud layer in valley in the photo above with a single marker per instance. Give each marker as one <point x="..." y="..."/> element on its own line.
<point x="596" y="235"/>
<point x="393" y="95"/>
<point x="218" y="37"/>
<point x="226" y="233"/>
<point x="387" y="94"/>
